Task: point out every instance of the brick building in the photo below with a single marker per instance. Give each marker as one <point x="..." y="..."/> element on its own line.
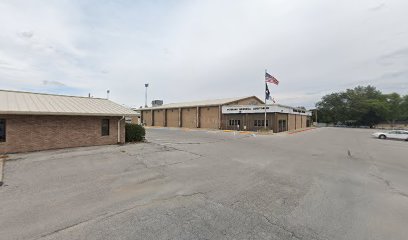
<point x="33" y="121"/>
<point x="246" y="113"/>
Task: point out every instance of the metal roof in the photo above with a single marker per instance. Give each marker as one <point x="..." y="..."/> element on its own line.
<point x="27" y="103"/>
<point x="213" y="102"/>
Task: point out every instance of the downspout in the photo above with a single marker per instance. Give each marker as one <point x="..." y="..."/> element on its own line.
<point x="123" y="117"/>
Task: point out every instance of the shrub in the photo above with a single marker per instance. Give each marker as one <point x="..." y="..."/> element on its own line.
<point x="134" y="132"/>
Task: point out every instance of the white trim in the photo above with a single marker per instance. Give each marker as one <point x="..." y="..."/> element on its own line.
<point x="237" y="109"/>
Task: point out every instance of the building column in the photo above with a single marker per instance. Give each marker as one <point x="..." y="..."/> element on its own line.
<point x="295" y="121"/>
<point x="219" y="117"/>
<point x="165" y="118"/>
<point x="179" y="117"/>
<point x="198" y="117"/>
<point x="247" y="123"/>
<point x="275" y="126"/>
<point x="151" y="111"/>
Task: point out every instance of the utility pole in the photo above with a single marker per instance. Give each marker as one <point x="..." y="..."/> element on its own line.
<point x="146" y="86"/>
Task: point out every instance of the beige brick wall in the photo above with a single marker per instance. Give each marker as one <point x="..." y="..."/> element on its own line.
<point x="291" y="122"/>
<point x="172" y="117"/>
<point x="135" y="120"/>
<point x="26" y="133"/>
<point x="281" y="116"/>
<point x="158" y="118"/>
<point x="188" y="117"/>
<point x="298" y="121"/>
<point x="304" y="121"/>
<point x="209" y="117"/>
<point x="147" y="117"/>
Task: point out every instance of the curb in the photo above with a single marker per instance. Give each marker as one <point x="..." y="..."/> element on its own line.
<point x="302" y="130"/>
<point x="245" y="132"/>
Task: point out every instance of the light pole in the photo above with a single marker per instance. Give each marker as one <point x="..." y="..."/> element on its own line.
<point x="146" y="86"/>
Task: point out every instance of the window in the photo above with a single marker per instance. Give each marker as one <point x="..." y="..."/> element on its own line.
<point x="282" y="126"/>
<point x="260" y="123"/>
<point x="105" y="127"/>
<point x="234" y="122"/>
<point x="2" y="130"/>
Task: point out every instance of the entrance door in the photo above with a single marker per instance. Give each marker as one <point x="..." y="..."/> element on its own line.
<point x="282" y="126"/>
<point x="234" y="124"/>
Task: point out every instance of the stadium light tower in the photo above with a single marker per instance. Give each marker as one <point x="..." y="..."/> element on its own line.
<point x="146" y="86"/>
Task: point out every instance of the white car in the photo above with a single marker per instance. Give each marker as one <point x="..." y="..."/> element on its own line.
<point x="394" y="134"/>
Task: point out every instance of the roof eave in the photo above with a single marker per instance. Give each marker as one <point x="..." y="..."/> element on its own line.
<point x="68" y="114"/>
<point x="190" y="106"/>
<point x="199" y="105"/>
<point x="244" y="98"/>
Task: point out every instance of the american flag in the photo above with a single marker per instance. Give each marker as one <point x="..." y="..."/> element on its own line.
<point x="270" y="79"/>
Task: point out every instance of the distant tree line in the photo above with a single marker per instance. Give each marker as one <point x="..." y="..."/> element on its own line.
<point x="362" y="106"/>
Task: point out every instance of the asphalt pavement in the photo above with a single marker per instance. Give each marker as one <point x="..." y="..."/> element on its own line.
<point x="325" y="183"/>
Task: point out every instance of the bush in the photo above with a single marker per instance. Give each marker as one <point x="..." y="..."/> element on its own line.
<point x="134" y="132"/>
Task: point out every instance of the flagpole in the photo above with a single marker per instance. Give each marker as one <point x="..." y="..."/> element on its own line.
<point x="265" y="102"/>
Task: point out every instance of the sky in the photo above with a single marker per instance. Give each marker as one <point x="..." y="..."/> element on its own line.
<point x="197" y="50"/>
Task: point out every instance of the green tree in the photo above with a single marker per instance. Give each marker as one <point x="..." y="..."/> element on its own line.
<point x="394" y="107"/>
<point x="331" y="109"/>
<point x="361" y="106"/>
<point x="404" y="108"/>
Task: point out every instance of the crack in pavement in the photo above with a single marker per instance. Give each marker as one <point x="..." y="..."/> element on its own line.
<point x="140" y="157"/>
<point x="164" y="143"/>
<point x="105" y="216"/>
<point x="209" y="142"/>
<point x="175" y="149"/>
<point x="292" y="234"/>
<point x="389" y="185"/>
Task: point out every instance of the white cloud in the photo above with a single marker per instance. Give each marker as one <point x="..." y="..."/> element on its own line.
<point x="190" y="50"/>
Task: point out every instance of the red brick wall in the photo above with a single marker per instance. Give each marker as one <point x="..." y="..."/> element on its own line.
<point x="26" y="133"/>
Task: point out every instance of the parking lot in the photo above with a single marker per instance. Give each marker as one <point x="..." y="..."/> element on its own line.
<point x="324" y="183"/>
